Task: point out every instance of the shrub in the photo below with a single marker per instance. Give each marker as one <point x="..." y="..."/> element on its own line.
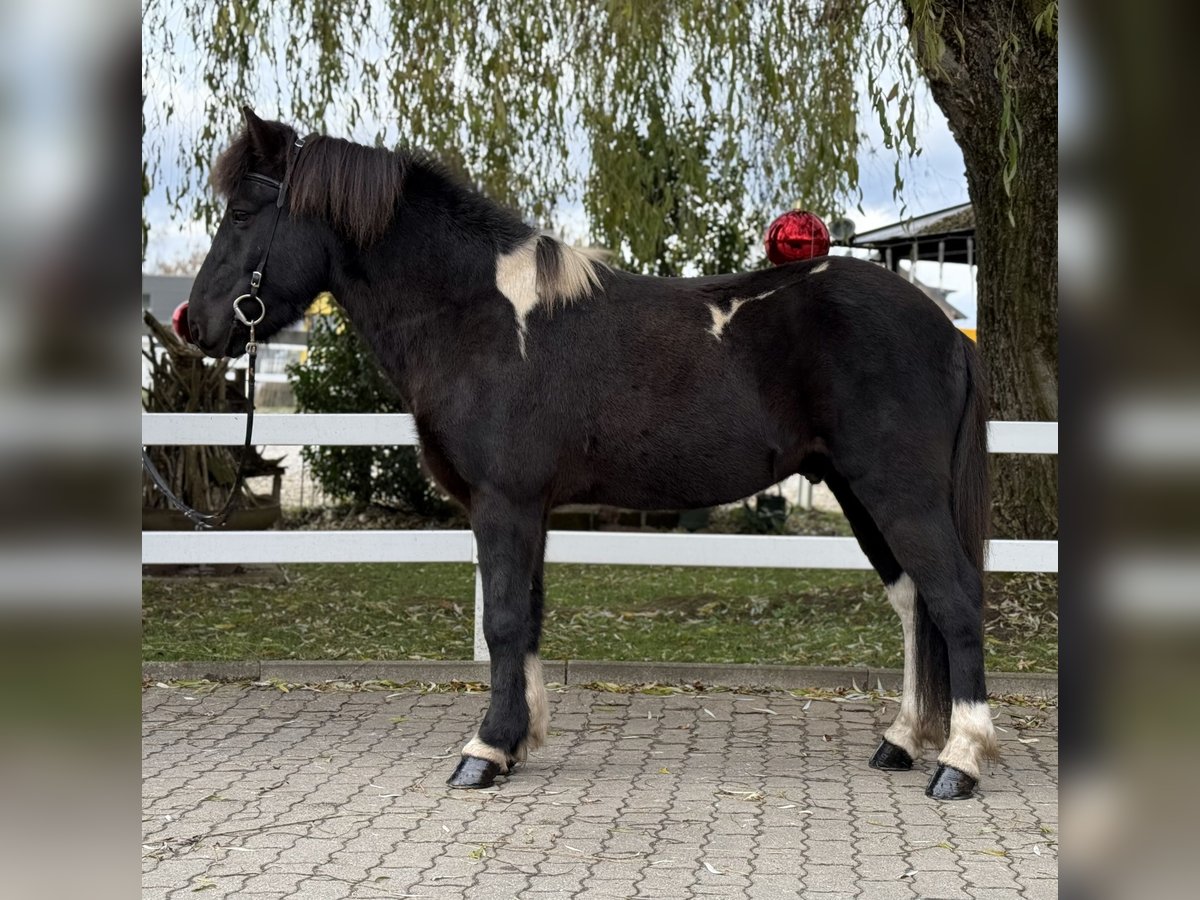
<point x="341" y="376"/>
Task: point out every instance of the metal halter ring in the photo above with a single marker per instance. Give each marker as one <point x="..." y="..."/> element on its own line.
<point x="237" y="310"/>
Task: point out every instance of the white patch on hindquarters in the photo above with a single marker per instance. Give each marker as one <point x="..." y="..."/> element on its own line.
<point x="476" y="747"/>
<point x="818" y="269"/>
<point x="721" y="319"/>
<point x="972" y="737"/>
<point x="569" y="273"/>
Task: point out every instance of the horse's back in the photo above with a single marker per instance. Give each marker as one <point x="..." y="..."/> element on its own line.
<point x="808" y="358"/>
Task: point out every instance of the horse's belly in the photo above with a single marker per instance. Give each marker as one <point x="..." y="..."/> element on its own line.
<point x="684" y="474"/>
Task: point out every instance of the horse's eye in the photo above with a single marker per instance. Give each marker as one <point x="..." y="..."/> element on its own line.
<point x="240" y="217"/>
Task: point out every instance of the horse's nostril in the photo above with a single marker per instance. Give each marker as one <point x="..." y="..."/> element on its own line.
<point x="180" y="322"/>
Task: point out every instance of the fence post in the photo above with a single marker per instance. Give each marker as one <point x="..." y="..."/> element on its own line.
<point x="481" y="648"/>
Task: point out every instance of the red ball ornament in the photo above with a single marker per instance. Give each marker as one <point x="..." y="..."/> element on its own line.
<point x="796" y="235"/>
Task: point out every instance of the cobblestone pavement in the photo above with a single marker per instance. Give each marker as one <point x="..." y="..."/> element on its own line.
<point x="257" y="793"/>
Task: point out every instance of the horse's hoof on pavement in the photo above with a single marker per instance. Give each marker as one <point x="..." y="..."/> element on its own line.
<point x="949" y="783"/>
<point x="474" y="772"/>
<point x="891" y="758"/>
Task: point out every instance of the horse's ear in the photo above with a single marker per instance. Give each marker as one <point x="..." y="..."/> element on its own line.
<point x="267" y="138"/>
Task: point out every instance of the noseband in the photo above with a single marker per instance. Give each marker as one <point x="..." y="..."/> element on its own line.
<point x="202" y="520"/>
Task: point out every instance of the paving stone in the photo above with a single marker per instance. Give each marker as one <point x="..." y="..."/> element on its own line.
<point x="258" y="794"/>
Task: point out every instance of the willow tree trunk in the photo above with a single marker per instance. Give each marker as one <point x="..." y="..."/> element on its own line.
<point x="990" y="49"/>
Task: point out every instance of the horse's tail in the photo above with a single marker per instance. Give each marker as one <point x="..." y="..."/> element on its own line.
<point x="971" y="509"/>
<point x="971" y="486"/>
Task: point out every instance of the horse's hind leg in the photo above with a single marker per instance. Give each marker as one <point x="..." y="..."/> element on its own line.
<point x="913" y="728"/>
<point x="511" y="538"/>
<point x="921" y="534"/>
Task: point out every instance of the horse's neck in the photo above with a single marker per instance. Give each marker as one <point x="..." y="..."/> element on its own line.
<point x="408" y="302"/>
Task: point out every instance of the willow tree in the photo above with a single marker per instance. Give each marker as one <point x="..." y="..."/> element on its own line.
<point x="681" y="127"/>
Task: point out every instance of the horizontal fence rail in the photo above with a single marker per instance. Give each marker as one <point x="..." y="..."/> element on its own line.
<point x="367" y="429"/>
<point x="592" y="547"/>
<point x="588" y="547"/>
<point x="279" y="429"/>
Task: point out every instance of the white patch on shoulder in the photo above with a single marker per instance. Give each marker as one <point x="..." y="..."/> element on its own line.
<point x="574" y="275"/>
<point x="818" y="269"/>
<point x="516" y="276"/>
<point x="721" y="319"/>
<point x="972" y="737"/>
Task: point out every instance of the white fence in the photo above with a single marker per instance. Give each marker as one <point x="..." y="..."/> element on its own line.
<point x="273" y="360"/>
<point x="562" y="546"/>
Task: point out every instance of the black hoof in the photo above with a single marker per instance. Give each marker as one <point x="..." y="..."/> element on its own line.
<point x="949" y="783"/>
<point x="891" y="758"/>
<point x="474" y="772"/>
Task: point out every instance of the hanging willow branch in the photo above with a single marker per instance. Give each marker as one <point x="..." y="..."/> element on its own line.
<point x="678" y="124"/>
<point x="662" y="118"/>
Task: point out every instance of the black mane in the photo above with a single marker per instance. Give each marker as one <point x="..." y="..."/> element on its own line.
<point x="353" y="187"/>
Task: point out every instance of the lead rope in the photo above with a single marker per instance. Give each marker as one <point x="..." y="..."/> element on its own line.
<point x="202" y="520"/>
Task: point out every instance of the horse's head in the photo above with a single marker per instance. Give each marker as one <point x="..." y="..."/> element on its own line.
<point x="256" y="234"/>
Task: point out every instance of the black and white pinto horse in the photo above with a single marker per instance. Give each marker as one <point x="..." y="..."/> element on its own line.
<point x="538" y="375"/>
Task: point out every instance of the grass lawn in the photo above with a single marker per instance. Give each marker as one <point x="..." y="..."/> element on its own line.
<point x="359" y="611"/>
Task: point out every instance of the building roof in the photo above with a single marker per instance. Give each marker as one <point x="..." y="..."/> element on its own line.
<point x="946" y="235"/>
<point x="951" y="220"/>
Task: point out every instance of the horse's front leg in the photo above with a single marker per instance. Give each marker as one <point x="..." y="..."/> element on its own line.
<point x="510" y="538"/>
